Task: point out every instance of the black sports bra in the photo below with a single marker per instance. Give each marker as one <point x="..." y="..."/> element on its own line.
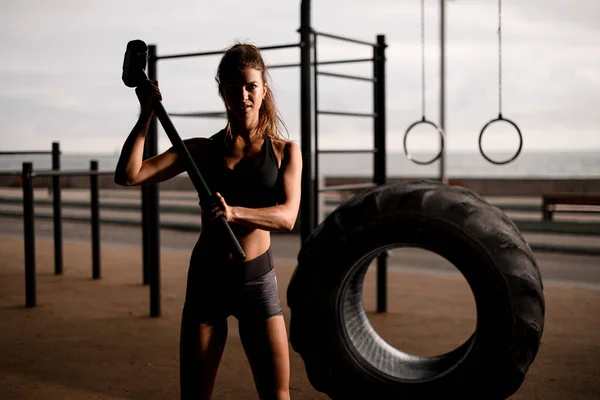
<point x="246" y="187"/>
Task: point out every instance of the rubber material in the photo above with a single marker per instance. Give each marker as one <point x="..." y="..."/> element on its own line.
<point x="343" y="355"/>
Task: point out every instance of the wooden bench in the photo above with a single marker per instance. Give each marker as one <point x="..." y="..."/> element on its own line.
<point x="578" y="202"/>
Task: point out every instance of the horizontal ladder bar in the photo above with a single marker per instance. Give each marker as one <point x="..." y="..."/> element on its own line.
<point x="358" y="78"/>
<point x="346" y="114"/>
<point x="344" y="39"/>
<point x="275" y="66"/>
<point x="342" y="188"/>
<point x="25" y="153"/>
<point x="217" y="52"/>
<point x="331" y="62"/>
<point x="356" y="151"/>
<point x="216" y="114"/>
<point x="71" y="173"/>
<point x="348" y="61"/>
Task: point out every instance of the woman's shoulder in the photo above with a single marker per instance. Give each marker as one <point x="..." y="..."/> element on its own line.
<point x="282" y="143"/>
<point x="286" y="149"/>
<point x="204" y="141"/>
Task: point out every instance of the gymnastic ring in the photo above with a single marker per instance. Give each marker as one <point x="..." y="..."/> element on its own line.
<point x="437" y="128"/>
<point x="344" y="355"/>
<point x="518" y="132"/>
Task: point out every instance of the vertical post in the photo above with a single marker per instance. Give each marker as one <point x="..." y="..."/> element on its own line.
<point x="145" y="194"/>
<point x="29" y="235"/>
<point x="144" y="210"/>
<point x="306" y="204"/>
<point x="153" y="227"/>
<point x="95" y="217"/>
<point x="316" y="182"/>
<point x="57" y="210"/>
<point x="443" y="177"/>
<point x="379" y="168"/>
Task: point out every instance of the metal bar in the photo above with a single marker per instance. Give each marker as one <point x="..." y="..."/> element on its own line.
<point x="344" y="39"/>
<point x="348" y="61"/>
<point x="443" y="175"/>
<point x="153" y="205"/>
<point x="316" y="180"/>
<point x="354" y="186"/>
<point x="29" y="235"/>
<point x="344" y="76"/>
<point x="144" y="192"/>
<point x="346" y="114"/>
<point x="330" y="62"/>
<point x="95" y="217"/>
<point x="143" y="210"/>
<point x="57" y="211"/>
<point x="217" y="52"/>
<point x="25" y="153"/>
<point x="43" y="173"/>
<point x="356" y="151"/>
<point x="306" y="203"/>
<point x="379" y="158"/>
<point x="379" y="108"/>
<point x="216" y="114"/>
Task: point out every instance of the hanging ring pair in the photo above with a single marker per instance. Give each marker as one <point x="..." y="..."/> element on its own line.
<point x="443" y="138"/>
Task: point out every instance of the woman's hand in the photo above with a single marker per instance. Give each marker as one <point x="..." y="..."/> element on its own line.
<point x="217" y="208"/>
<point x="146" y="93"/>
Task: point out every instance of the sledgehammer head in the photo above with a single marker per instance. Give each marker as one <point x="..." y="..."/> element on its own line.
<point x="134" y="64"/>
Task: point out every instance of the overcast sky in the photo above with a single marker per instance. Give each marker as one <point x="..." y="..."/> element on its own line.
<point x="60" y="69"/>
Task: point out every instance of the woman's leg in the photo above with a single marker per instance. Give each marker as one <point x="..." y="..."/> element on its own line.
<point x="266" y="345"/>
<point x="201" y="348"/>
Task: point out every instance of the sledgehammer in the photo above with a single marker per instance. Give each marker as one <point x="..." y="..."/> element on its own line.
<point x="134" y="74"/>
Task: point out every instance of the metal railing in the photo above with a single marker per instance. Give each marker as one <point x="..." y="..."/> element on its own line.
<point x="28" y="175"/>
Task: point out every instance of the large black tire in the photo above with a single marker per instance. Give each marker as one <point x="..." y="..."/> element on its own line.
<point x="343" y="355"/>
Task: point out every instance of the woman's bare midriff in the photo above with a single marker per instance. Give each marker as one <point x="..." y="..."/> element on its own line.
<point x="254" y="242"/>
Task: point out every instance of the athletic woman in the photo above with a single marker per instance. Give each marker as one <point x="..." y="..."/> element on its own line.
<point x="255" y="175"/>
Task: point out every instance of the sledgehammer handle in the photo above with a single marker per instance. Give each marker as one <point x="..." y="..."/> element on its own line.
<point x="201" y="187"/>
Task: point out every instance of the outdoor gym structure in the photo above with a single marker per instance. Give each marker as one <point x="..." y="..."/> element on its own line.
<point x="310" y="113"/>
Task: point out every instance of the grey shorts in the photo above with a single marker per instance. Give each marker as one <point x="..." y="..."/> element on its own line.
<point x="215" y="292"/>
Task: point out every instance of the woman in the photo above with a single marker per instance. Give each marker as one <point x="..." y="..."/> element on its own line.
<point x="255" y="175"/>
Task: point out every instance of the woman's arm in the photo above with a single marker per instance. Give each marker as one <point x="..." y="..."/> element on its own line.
<point x="131" y="169"/>
<point x="281" y="217"/>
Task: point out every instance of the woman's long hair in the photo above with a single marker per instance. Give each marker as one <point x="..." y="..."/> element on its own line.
<point x="236" y="58"/>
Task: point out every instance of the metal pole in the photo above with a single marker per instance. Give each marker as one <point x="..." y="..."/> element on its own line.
<point x="316" y="181"/>
<point x="145" y="193"/>
<point x="306" y="204"/>
<point x="95" y="217"/>
<point x="153" y="222"/>
<point x="144" y="208"/>
<point x="379" y="168"/>
<point x="57" y="210"/>
<point x="29" y="235"/>
<point x="443" y="177"/>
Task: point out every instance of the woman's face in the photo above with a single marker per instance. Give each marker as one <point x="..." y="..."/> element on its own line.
<point x="244" y="95"/>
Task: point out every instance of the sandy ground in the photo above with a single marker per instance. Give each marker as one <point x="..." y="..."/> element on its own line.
<point x="91" y="339"/>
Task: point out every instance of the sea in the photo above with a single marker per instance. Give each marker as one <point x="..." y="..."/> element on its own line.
<point x="543" y="165"/>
